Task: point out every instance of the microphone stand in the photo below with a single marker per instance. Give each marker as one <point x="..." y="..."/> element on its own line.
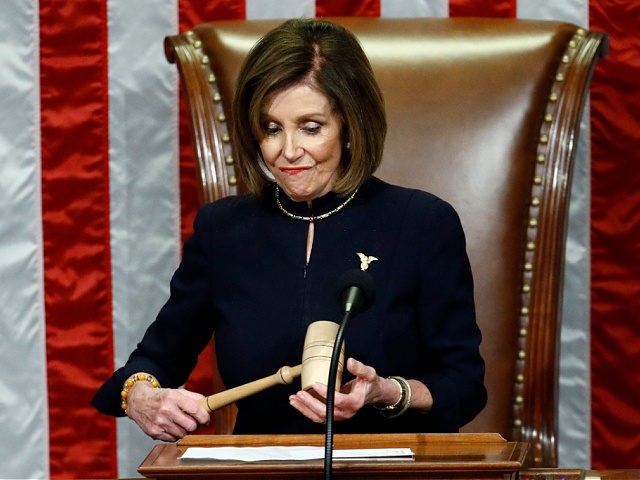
<point x="331" y="391"/>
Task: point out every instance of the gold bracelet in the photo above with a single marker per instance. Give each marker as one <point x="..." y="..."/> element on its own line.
<point x="130" y="382"/>
<point x="403" y="403"/>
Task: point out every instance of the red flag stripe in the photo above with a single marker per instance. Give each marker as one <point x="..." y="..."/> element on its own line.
<point x="338" y="8"/>
<point x="75" y="210"/>
<point x="473" y="8"/>
<point x="615" y="238"/>
<point x="194" y="12"/>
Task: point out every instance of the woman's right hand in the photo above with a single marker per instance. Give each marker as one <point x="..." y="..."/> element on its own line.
<point x="165" y="414"/>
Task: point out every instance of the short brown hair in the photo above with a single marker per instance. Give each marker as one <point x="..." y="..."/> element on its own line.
<point x="330" y="58"/>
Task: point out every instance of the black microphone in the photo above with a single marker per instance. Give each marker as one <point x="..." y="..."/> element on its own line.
<point x="356" y="293"/>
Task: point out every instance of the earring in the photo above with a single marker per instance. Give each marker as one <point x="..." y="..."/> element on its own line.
<point x="348" y="146"/>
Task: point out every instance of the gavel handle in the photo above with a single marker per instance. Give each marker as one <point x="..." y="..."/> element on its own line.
<point x="284" y="376"/>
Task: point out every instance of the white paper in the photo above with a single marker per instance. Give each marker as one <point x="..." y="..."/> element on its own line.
<point x="296" y="453"/>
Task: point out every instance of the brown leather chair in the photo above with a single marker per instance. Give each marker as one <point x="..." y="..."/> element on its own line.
<point x="484" y="113"/>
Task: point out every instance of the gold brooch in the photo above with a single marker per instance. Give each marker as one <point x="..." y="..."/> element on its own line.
<point x="365" y="260"/>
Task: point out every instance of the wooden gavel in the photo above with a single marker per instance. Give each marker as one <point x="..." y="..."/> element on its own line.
<point x="316" y="358"/>
<point x="284" y="376"/>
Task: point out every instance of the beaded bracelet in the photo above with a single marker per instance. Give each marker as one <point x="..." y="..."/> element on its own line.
<point x="130" y="382"/>
<point x="403" y="403"/>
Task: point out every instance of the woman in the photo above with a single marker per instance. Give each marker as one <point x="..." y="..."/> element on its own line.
<point x="308" y="132"/>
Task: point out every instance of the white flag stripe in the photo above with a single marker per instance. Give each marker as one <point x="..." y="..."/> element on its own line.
<point x="574" y="11"/>
<point x="267" y="9"/>
<point x="23" y="385"/>
<point x="144" y="184"/>
<point x="414" y="8"/>
<point x="574" y="419"/>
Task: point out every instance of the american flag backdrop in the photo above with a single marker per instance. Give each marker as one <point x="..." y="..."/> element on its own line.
<point x="97" y="193"/>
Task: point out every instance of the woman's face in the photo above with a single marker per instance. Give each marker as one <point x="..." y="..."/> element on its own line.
<point x="301" y="141"/>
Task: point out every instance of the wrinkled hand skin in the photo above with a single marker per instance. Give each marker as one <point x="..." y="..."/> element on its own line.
<point x="166" y="414"/>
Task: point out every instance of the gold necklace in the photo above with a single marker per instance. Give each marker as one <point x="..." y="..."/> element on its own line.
<point x="312" y="218"/>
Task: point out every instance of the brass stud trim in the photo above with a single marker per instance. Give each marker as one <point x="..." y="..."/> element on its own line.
<point x="537" y="181"/>
<point x="220" y="117"/>
<point x="517" y="423"/>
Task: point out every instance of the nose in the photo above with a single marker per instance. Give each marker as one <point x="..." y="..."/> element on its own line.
<point x="291" y="150"/>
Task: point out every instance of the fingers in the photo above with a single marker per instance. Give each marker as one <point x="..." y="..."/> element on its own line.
<point x="193" y="407"/>
<point x="167" y="414"/>
<point x="312" y="404"/>
<point x="353" y="396"/>
<point x="361" y="370"/>
<point x="309" y="405"/>
<point x="183" y="413"/>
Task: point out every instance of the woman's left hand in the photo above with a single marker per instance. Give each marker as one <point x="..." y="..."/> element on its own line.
<point x="367" y="388"/>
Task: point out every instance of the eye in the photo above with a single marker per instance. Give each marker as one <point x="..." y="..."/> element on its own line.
<point x="312" y="128"/>
<point x="270" y="128"/>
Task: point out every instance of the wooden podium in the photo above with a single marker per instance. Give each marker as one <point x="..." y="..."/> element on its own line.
<point x="436" y="456"/>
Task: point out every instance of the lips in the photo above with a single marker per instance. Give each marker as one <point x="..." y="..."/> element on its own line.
<point x="293" y="170"/>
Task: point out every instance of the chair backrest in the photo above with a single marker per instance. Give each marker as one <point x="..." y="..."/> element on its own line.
<point x="484" y="113"/>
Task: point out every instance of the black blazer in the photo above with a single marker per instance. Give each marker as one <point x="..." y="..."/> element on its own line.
<point x="244" y="275"/>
